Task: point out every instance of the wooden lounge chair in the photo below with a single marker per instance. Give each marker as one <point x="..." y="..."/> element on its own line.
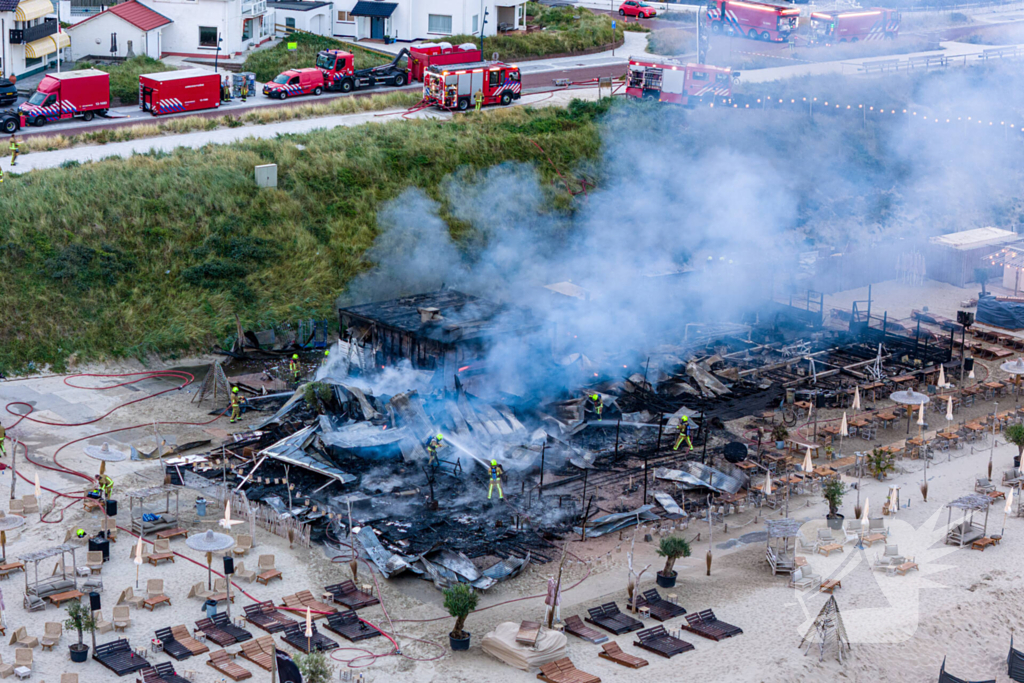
<point x="102" y="625"/>
<point x="658" y="641"/>
<point x="225" y="663"/>
<point x="662" y="610"/>
<point x="23" y="657"/>
<point x="52" y="632"/>
<point x="950" y="678"/>
<point x="182" y="635"/>
<point x="222" y="622"/>
<point x="242" y="545"/>
<point x="307" y="600"/>
<point x="265" y="616"/>
<point x="254" y="652"/>
<point x="242" y="573"/>
<point x="214" y="633"/>
<point x="706" y="624"/>
<point x="347" y="594"/>
<point x="576" y="627"/>
<point x="166" y="673"/>
<point x="613" y="652"/>
<point x="265" y="570"/>
<point x="122" y="617"/>
<point x="117" y="656"/>
<point x="608" y="617"/>
<point x="94" y="561"/>
<point x="348" y="625"/>
<point x="563" y="671"/>
<point x="171" y="646"/>
<point x="1015" y="664"/>
<point x="529" y="631"/>
<point x="21" y="638"/>
<point x="129" y="598"/>
<point x="295" y="635"/>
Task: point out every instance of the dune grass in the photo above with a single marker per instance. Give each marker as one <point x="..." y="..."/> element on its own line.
<point x="188" y="124"/>
<point x="124" y="77"/>
<point x="268" y="63"/>
<point x="158" y="253"/>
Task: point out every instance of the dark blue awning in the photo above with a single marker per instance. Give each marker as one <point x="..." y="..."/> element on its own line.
<point x="373" y="9"/>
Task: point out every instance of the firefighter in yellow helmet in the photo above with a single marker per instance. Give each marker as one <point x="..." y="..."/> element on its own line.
<point x="3" y="437"/>
<point x="596" y="403"/>
<point x="106" y="485"/>
<point x="236" y="405"/>
<point x="295" y="368"/>
<point x="15" y="150"/>
<point x="435" y="443"/>
<point x="495" y="474"/>
<point x="684" y="434"/>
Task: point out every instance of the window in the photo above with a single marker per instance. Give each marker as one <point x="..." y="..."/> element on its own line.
<point x="294" y="81"/>
<point x="247" y="29"/>
<point x="495" y="75"/>
<point x="207" y="36"/>
<point x="33" y="61"/>
<point x="700" y="76"/>
<point x="476" y="22"/>
<point x="343" y="16"/>
<point x="289" y="22"/>
<point x="439" y="23"/>
<point x="722" y="78"/>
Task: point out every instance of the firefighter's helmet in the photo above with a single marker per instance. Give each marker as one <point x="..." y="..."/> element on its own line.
<point x="684" y="419"/>
<point x="295" y="356"/>
<point x="80" y="533"/>
<point x="494" y="463"/>
<point x="440" y="437"/>
<point x="327" y="352"/>
<point x="234" y="390"/>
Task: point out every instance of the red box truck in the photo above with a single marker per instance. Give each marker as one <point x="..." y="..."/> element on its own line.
<point x="173" y="91"/>
<point x="422" y="56"/>
<point x="64" y="95"/>
<point x="841" y="27"/>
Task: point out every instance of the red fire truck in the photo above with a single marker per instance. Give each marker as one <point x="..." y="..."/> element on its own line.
<point x="454" y="86"/>
<point x="340" y="73"/>
<point x="854" y="26"/>
<point x="425" y="54"/>
<point x="84" y="93"/>
<point x="174" y="91"/>
<point x="764" y="20"/>
<point x="670" y="81"/>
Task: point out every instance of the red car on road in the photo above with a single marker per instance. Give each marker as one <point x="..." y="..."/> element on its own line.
<point x="635" y="8"/>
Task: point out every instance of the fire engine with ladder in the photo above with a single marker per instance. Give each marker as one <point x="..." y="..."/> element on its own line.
<point x="856" y="25"/>
<point x="769" y="21"/>
<point x="454" y="86"/>
<point x="678" y="83"/>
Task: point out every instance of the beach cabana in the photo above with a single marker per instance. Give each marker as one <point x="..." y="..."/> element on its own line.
<point x="967" y="530"/>
<point x="780" y="553"/>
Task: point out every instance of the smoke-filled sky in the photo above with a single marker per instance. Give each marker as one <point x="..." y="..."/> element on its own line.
<point x="676" y="186"/>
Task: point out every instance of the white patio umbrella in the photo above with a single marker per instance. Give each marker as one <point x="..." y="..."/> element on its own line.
<point x="1006" y="510"/>
<point x="309" y="627"/>
<point x="39" y="489"/>
<point x="971" y="374"/>
<point x="949" y="409"/>
<point x="808" y="465"/>
<point x="227" y="522"/>
<point x="856" y="400"/>
<point x="138" y="560"/>
<point x="942" y="377"/>
<point x="920" y="416"/>
<point x="864" y="513"/>
<point x="844" y="430"/>
<point x="767" y="489"/>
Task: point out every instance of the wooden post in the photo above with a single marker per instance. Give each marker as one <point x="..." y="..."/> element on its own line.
<point x="540" y="491"/>
<point x="618" y="424"/>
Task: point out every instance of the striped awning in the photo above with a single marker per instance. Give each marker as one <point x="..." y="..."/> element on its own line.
<point x="44" y="46"/>
<point x="32" y="9"/>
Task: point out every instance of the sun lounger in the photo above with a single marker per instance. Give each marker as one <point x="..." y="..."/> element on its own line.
<point x="295" y="635"/>
<point x="167" y="673"/>
<point x="348" y="625"/>
<point x="608" y="617"/>
<point x="221" y="621"/>
<point x="1015" y="664"/>
<point x="253" y="651"/>
<point x="117" y="656"/>
<point x="576" y="627"/>
<point x="171" y="646"/>
<point x="214" y="633"/>
<point x="307" y="600"/>
<point x="563" y="671"/>
<point x="529" y="631"/>
<point x="225" y="663"/>
<point x="182" y="635"/>
<point x="265" y="616"/>
<point x="949" y="678"/>
<point x="662" y="610"/>
<point x="658" y="641"/>
<point x="347" y="594"/>
<point x="706" y="624"/>
<point x="614" y="653"/>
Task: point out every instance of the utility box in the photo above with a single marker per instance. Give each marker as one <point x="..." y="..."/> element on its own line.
<point x="266" y="175"/>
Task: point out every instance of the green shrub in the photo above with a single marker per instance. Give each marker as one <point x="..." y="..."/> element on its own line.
<point x="566" y="30"/>
<point x="460" y="600"/>
<point x="124" y="77"/>
<point x="270" y="62"/>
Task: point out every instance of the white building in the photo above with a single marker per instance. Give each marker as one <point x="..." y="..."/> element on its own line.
<point x="303" y="15"/>
<point x="28" y="37"/>
<point x="109" y="32"/>
<point x="435" y="20"/>
<point x="199" y="26"/>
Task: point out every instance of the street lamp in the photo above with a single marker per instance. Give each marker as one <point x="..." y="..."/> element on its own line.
<point x="216" y="57"/>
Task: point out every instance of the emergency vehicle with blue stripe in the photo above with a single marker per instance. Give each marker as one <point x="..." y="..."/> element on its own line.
<point x="769" y="21"/>
<point x="295" y="82"/>
<point x="854" y="26"/>
<point x="666" y="80"/>
<point x="171" y="92"/>
<point x="85" y="93"/>
<point x="454" y="86"/>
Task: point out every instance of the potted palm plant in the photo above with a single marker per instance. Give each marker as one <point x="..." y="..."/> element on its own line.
<point x="880" y="463"/>
<point x="833" y="492"/>
<point x="81" y="619"/>
<point x="779" y="434"/>
<point x="460" y="600"/>
<point x="671" y="548"/>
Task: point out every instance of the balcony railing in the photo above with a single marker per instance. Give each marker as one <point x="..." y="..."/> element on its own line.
<point x="254" y="7"/>
<point x="27" y="35"/>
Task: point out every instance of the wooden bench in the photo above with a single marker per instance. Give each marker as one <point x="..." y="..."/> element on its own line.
<point x="658" y="641"/>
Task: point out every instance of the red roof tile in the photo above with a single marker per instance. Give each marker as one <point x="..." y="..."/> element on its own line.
<point x="136" y="14"/>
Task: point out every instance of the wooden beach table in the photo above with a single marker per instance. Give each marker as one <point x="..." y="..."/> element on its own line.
<point x="266" y="576"/>
<point x="830" y="586"/>
<point x="59" y="598"/>
<point x="906" y="567"/>
<point x="171" y="533"/>
<point x="152" y="603"/>
<point x="871" y="539"/>
<point x="982" y="543"/>
<point x="827" y="549"/>
<point x="157" y="558"/>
